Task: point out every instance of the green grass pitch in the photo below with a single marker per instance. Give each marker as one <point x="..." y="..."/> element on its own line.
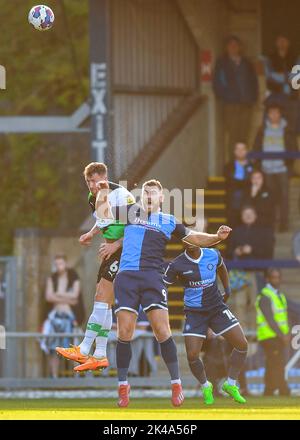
<point x="276" y="408"/>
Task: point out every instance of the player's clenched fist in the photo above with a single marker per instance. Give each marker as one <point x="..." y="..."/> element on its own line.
<point x="223" y="232"/>
<point x="102" y="184"/>
<point x="85" y="239"/>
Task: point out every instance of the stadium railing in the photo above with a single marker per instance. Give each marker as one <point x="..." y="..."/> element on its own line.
<point x="89" y="381"/>
<point x="274" y="155"/>
<point x="262" y="264"/>
<point x="100" y="382"/>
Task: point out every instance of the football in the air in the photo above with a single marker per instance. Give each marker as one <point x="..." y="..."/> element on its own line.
<point x="41" y="17"/>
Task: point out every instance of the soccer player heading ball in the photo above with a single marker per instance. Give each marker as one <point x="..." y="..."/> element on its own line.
<point x="140" y="280"/>
<point x="100" y="321"/>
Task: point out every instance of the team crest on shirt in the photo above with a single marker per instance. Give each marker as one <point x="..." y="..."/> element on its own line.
<point x="130" y="200"/>
<point x="211" y="266"/>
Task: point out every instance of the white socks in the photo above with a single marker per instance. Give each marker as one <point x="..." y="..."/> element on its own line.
<point x="101" y="340"/>
<point x="231" y="381"/>
<point x="205" y="384"/>
<point x="175" y="381"/>
<point x="94" y="326"/>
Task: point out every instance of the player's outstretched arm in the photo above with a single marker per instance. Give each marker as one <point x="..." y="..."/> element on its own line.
<point x="203" y="239"/>
<point x="224" y="277"/>
<point x="86" y="239"/>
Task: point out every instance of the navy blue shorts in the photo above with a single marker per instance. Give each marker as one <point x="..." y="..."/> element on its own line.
<point x="219" y="319"/>
<point x="134" y="288"/>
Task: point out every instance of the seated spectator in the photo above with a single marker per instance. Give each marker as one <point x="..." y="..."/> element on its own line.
<point x="275" y="136"/>
<point x="278" y="67"/>
<point x="259" y="196"/>
<point x="66" y="309"/>
<point x="235" y="83"/>
<point x="237" y="173"/>
<point x="250" y="240"/>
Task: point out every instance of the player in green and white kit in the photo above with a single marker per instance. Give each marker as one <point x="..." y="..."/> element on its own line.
<point x="100" y="321"/>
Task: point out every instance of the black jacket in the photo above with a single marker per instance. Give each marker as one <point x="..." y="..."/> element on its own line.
<point x="263" y="203"/>
<point x="260" y="238"/>
<point x="282" y="65"/>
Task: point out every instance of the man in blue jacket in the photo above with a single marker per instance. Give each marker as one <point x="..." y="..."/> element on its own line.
<point x="235" y="84"/>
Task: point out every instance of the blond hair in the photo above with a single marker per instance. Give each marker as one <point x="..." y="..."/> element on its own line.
<point x="94" y="168"/>
<point x="153" y="182"/>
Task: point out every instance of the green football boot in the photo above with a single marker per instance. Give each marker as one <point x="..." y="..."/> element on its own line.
<point x="233" y="391"/>
<point x="207" y="393"/>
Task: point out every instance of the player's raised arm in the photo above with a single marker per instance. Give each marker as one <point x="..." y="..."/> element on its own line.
<point x="103" y="208"/>
<point x="202" y="239"/>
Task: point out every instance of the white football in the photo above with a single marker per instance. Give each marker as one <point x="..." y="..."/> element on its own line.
<point x="41" y="17"/>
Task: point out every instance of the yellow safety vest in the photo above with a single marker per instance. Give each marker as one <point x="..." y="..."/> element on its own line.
<point x="280" y="315"/>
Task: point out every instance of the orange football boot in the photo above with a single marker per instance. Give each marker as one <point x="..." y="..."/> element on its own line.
<point x="177" y="394"/>
<point x="124" y="391"/>
<point x="93" y="363"/>
<point x="72" y="354"/>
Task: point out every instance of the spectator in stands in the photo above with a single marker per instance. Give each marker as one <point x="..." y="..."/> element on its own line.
<point x="250" y="240"/>
<point x="273" y="332"/>
<point x="275" y="136"/>
<point x="237" y="173"/>
<point x="235" y="83"/>
<point x="278" y="68"/>
<point x="66" y="309"/>
<point x="259" y="196"/>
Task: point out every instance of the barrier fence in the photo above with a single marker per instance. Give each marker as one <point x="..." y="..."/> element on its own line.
<point x="103" y="381"/>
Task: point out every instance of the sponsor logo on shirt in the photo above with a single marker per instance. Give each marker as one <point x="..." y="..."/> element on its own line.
<point x="147" y="223"/>
<point x="203" y="283"/>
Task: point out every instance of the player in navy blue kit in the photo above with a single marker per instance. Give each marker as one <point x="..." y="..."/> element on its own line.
<point x="197" y="270"/>
<point x="140" y="277"/>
